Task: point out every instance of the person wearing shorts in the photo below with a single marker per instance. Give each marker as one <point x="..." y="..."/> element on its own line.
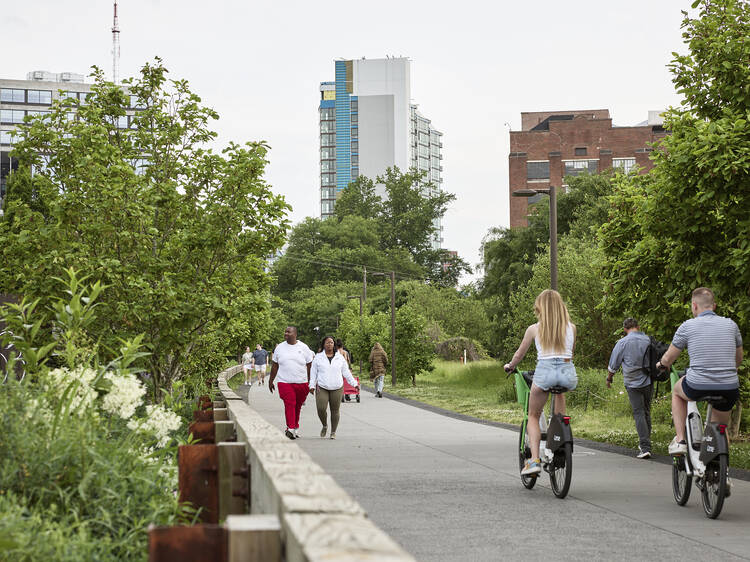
<point x="554" y="336"/>
<point x="260" y="359"/>
<point x="714" y="344"/>
<point x="247" y="366"/>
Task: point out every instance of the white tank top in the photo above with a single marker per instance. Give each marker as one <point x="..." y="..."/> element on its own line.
<point x="550" y="354"/>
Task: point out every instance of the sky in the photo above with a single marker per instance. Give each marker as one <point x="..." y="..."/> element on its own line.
<point x="475" y="66"/>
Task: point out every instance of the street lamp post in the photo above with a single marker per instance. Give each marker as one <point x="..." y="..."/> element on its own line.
<point x="552" y="192"/>
<point x="360" y="323"/>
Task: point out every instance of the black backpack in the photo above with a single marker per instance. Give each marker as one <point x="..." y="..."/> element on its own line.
<point x="651" y="357"/>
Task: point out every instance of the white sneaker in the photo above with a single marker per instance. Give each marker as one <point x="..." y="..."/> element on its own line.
<point x="676" y="448"/>
<point x="643" y="454"/>
<point x="296" y="433"/>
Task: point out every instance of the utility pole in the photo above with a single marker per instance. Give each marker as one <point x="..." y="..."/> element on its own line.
<point x="115" y="48"/>
<point x="364" y="283"/>
<point x="393" y="328"/>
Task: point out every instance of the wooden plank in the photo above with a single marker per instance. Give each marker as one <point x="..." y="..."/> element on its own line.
<point x="234" y="481"/>
<point x="253" y="537"/>
<point x="224" y="431"/>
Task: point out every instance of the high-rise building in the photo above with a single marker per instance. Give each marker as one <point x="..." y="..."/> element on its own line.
<point x="34" y="96"/>
<point x="553" y="145"/>
<point x="368" y="124"/>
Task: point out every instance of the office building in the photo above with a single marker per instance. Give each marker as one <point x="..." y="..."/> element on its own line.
<point x="552" y="145"/>
<point x="368" y="124"/>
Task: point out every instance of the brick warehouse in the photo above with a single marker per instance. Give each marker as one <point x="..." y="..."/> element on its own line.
<point x="555" y="144"/>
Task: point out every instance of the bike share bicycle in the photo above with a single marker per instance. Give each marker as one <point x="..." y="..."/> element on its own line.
<point x="556" y="446"/>
<point x="707" y="458"/>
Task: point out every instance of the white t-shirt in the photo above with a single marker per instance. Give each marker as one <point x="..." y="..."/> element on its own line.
<point x="292" y="360"/>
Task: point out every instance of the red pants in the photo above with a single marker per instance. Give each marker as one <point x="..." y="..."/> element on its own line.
<point x="293" y="395"/>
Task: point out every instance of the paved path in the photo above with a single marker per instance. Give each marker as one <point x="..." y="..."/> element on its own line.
<point x="449" y="490"/>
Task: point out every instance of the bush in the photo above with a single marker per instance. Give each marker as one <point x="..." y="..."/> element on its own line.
<point x="452" y="349"/>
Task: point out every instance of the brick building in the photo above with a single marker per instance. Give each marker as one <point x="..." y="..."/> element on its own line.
<point x="554" y="144"/>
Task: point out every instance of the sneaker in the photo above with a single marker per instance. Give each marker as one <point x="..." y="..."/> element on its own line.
<point x="296" y="433"/>
<point x="323" y="431"/>
<point x="380" y="394"/>
<point x="289" y="434"/>
<point x="643" y="454"/>
<point x="676" y="448"/>
<point x="532" y="466"/>
<point x="333" y="435"/>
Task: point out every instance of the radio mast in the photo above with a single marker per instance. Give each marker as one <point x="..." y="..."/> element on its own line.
<point x="115" y="48"/>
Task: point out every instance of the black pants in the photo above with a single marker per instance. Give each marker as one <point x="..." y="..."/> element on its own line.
<point x="640" y="402"/>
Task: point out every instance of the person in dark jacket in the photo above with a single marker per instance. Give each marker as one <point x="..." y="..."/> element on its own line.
<point x="378" y="365"/>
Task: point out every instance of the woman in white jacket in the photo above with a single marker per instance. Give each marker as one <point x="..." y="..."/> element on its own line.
<point x="327" y="383"/>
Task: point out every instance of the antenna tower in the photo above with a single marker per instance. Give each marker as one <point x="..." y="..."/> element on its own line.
<point x="115" y="48"/>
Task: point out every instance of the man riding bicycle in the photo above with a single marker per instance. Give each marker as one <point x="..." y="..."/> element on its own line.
<point x="714" y="344"/>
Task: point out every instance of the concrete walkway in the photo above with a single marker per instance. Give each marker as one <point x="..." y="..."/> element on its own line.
<point x="448" y="489"/>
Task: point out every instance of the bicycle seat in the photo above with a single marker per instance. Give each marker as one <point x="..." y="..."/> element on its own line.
<point x="713" y="400"/>
<point x="557" y="389"/>
<point x="528" y="376"/>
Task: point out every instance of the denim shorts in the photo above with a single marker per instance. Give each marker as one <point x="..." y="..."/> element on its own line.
<point x="555" y="372"/>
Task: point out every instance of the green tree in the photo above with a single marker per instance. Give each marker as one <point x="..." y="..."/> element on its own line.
<point x="686" y="224"/>
<point x="177" y="233"/>
<point x="360" y="199"/>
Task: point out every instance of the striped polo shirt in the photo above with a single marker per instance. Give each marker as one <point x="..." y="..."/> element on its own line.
<point x="711" y="341"/>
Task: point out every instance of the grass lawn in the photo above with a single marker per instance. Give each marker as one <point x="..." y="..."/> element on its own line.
<point x="482" y="390"/>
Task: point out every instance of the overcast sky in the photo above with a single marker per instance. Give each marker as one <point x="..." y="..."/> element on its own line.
<point x="475" y="66"/>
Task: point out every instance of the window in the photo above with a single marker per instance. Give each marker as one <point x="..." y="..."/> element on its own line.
<point x="355" y="133"/>
<point x="423" y="151"/>
<point x="581" y="151"/>
<point x="355" y="118"/>
<point x="327" y="114"/>
<point x="11" y="115"/>
<point x="575" y="167"/>
<point x="135" y="103"/>
<point x="326" y="207"/>
<point x="39" y="96"/>
<point x="424" y="163"/>
<point x="435" y="150"/>
<point x="355" y="105"/>
<point x="435" y="174"/>
<point x="69" y="95"/>
<point x="355" y="160"/>
<point x="328" y="139"/>
<point x="328" y="165"/>
<point x="355" y="173"/>
<point x="355" y="146"/>
<point x="537" y="170"/>
<point x="328" y="193"/>
<point x="6" y="137"/>
<point x="86" y="98"/>
<point x="8" y="95"/>
<point x="327" y="153"/>
<point x="625" y="164"/>
<point x="327" y="127"/>
<point x="424" y="138"/>
<point x="328" y="179"/>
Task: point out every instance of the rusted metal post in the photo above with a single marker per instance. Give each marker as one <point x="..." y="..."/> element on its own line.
<point x="203" y="431"/>
<point x="234" y="481"/>
<point x="198" y="479"/>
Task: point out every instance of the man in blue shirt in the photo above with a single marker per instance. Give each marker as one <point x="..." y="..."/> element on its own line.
<point x="628" y="353"/>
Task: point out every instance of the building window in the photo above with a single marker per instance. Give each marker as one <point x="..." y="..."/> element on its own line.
<point x="328" y="179"/>
<point x="355" y="146"/>
<point x="537" y="170"/>
<point x="435" y="174"/>
<point x="423" y="151"/>
<point x="11" y="115"/>
<point x="355" y="173"/>
<point x="581" y="151"/>
<point x="328" y="153"/>
<point x="9" y="95"/>
<point x="135" y="103"/>
<point x="355" y="118"/>
<point x="424" y="138"/>
<point x="39" y="96"/>
<point x="355" y="105"/>
<point x="328" y="165"/>
<point x="326" y="208"/>
<point x="69" y="95"/>
<point x="355" y="160"/>
<point x="625" y="164"/>
<point x="328" y="139"/>
<point x="424" y="163"/>
<point x="6" y="137"/>
<point x="576" y="167"/>
<point x="355" y="132"/>
<point x="327" y="114"/>
<point x="327" y="127"/>
<point x="328" y="193"/>
<point x="435" y="150"/>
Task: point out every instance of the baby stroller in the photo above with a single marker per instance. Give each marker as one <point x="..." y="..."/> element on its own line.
<point x="350" y="391"/>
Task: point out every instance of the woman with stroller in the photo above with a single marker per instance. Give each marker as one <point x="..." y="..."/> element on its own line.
<point x="327" y="374"/>
<point x="554" y="336"/>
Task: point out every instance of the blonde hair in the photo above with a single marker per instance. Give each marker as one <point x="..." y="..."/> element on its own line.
<point x="553" y="317"/>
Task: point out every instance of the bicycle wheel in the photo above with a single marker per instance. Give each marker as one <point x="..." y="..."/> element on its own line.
<point x="680" y="481"/>
<point x="715" y="486"/>
<point x="524" y="453"/>
<point x="561" y="469"/>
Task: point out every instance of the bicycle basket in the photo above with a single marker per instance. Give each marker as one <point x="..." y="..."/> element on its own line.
<point x="522" y="389"/>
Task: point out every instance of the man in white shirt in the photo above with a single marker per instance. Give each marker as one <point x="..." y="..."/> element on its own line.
<point x="291" y="364"/>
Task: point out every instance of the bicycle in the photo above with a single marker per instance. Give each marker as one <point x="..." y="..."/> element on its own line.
<point x="556" y="446"/>
<point x="707" y="460"/>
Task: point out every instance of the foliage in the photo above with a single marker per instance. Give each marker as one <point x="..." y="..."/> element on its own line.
<point x="686" y="225"/>
<point x="452" y="349"/>
<point x="82" y="459"/>
<point x="580" y="264"/>
<point x="176" y="232"/>
<point x="360" y="199"/>
<point x="414" y="351"/>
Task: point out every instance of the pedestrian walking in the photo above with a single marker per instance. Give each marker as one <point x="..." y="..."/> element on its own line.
<point x="555" y="337"/>
<point x="260" y="358"/>
<point x="378" y="366"/>
<point x="247" y="366"/>
<point x="291" y="364"/>
<point x="327" y="374"/>
<point x="628" y="353"/>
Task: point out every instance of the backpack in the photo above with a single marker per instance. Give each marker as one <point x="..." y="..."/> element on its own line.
<point x="651" y="357"/>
